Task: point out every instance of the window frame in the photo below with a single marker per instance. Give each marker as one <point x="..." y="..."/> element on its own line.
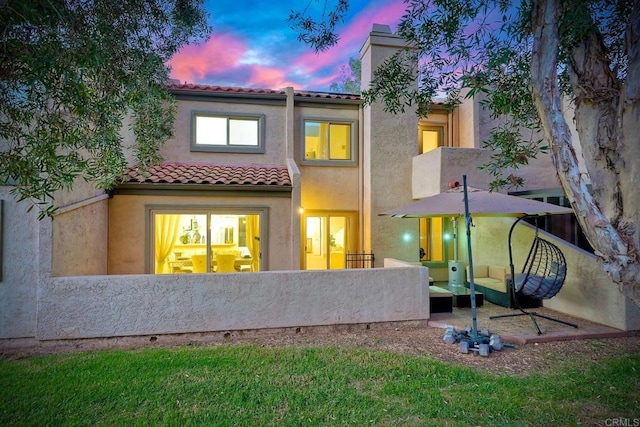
<point x="353" y="134"/>
<point x="440" y="128"/>
<point x="208" y="210"/>
<point x="228" y="148"/>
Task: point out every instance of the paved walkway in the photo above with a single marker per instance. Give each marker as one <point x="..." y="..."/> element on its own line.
<point x="521" y="330"/>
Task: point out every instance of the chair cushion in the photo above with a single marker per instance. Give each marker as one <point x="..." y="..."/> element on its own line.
<point x="496" y="272"/>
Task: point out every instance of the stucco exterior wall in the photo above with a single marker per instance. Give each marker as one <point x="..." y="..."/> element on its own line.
<point x="178" y="149"/>
<point x="80" y="240"/>
<point x="20" y="268"/>
<point x="390" y="143"/>
<point x="73" y="307"/>
<point x="327" y="187"/>
<point x="468" y="123"/>
<point x="330" y="188"/>
<point x="129" y="233"/>
<point x="432" y="171"/>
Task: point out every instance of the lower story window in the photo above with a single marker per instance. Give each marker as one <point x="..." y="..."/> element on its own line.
<point x="436" y="240"/>
<point x="205" y="241"/>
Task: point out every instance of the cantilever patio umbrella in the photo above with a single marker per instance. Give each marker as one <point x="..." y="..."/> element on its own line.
<point x="466" y="201"/>
<point x="481" y="203"/>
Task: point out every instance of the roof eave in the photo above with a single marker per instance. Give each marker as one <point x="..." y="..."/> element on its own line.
<point x="136" y="187"/>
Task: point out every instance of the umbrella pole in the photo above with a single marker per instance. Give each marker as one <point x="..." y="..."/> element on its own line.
<point x="472" y="286"/>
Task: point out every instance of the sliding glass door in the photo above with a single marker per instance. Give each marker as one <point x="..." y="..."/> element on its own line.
<point x="204" y="241"/>
<point x="327" y="239"/>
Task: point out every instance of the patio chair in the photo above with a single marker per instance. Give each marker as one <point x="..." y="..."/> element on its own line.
<point x="544" y="271"/>
<point x="543" y="274"/>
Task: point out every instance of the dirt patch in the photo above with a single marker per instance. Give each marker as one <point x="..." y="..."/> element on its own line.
<point x="413" y="339"/>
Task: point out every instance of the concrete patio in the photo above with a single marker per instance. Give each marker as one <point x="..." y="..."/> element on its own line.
<point x="520" y="330"/>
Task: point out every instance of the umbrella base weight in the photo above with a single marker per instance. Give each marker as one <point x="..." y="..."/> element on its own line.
<point x="482" y="343"/>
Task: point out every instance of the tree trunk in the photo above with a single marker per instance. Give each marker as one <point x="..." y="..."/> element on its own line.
<point x="607" y="217"/>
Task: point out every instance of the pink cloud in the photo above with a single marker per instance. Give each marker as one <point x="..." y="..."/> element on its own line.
<point x="221" y="53"/>
<point x="352" y="38"/>
<point x="268" y="77"/>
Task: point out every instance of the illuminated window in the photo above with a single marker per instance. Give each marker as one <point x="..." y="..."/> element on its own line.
<point x="186" y="241"/>
<point x="432" y="137"/>
<point x="227" y="132"/>
<point x="435" y="240"/>
<point x="331" y="142"/>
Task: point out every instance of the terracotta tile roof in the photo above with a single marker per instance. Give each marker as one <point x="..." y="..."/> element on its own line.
<point x="223" y="89"/>
<point x="326" y="95"/>
<point x="209" y="174"/>
<point x="253" y="91"/>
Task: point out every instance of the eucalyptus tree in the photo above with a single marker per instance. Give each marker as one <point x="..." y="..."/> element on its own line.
<point x="71" y="71"/>
<point x="527" y="59"/>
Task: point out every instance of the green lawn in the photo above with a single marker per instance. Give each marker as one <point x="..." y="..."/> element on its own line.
<point x="253" y="386"/>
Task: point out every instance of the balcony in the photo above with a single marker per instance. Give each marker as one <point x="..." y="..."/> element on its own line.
<point x="434" y="170"/>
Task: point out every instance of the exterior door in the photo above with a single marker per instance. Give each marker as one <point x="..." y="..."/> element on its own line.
<point x="326" y="240"/>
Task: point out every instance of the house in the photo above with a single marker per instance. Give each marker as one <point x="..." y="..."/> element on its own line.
<point x="278" y="181"/>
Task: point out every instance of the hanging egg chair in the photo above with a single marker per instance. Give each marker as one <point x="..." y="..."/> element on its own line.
<point x="544" y="271"/>
<point x="543" y="274"/>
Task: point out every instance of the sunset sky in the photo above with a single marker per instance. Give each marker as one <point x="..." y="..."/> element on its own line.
<point x="252" y="45"/>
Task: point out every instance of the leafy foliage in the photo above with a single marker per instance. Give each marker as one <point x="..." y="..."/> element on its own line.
<point x="72" y="71"/>
<point x="320" y="34"/>
<point x="465" y="48"/>
<point x="350" y="79"/>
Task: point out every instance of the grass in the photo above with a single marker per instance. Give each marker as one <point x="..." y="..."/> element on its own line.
<point x="253" y="386"/>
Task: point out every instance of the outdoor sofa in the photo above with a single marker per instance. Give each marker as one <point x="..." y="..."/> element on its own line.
<point x="492" y="281"/>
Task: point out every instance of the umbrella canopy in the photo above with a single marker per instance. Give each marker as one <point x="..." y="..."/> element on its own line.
<point x="481" y="202"/>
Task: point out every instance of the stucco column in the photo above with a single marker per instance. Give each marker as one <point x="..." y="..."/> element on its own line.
<point x="294" y="174"/>
<point x="390" y="143"/>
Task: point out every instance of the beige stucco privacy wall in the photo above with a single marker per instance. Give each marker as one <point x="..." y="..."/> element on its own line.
<point x="20" y="268"/>
<point x="80" y="238"/>
<point x="107" y="306"/>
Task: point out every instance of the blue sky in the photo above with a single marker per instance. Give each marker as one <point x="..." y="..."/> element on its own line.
<point x="252" y="45"/>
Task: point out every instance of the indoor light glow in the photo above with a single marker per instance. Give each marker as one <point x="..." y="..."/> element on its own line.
<point x="406" y="237"/>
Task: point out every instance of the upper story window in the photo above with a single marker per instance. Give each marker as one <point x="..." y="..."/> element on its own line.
<point x="438" y="129"/>
<point x="432" y="137"/>
<point x="238" y="133"/>
<point x="329" y="142"/>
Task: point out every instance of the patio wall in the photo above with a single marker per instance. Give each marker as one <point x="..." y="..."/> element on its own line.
<point x="110" y="306"/>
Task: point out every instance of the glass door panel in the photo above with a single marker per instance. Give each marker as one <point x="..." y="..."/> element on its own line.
<point x="189" y="242"/>
<point x="315" y="243"/>
<point x="326" y="241"/>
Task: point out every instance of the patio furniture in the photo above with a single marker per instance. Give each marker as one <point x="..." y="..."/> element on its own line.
<point x="493" y="282"/>
<point x="544" y="272"/>
<point x="542" y="276"/>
